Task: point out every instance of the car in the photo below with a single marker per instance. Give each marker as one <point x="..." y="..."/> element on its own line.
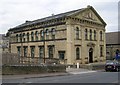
<point x="112" y="65"/>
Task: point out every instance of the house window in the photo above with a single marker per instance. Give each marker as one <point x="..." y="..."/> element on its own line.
<point x="77" y="53"/>
<point x="19" y="51"/>
<point x="36" y="35"/>
<point x="32" y="36"/>
<point x="101" y="51"/>
<point x="77" y="33"/>
<point x="41" y="52"/>
<point x="86" y="34"/>
<point x="50" y="50"/>
<point x="27" y="36"/>
<point x="20" y="37"/>
<point x="61" y="55"/>
<point x="32" y="51"/>
<point x="25" y="51"/>
<point x="41" y="35"/>
<point x="101" y="35"/>
<point x="94" y="35"/>
<point x="47" y="34"/>
<point x="53" y="33"/>
<point x="90" y="34"/>
<point x="23" y="37"/>
<point x="17" y="38"/>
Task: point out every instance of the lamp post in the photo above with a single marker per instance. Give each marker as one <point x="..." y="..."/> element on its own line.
<point x="111" y="51"/>
<point x="44" y="44"/>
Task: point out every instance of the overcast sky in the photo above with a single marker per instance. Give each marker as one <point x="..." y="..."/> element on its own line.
<point x="16" y="12"/>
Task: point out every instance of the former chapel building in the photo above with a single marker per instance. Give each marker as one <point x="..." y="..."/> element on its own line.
<point x="74" y="36"/>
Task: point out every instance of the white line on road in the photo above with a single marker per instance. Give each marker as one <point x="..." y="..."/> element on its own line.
<point x="82" y="72"/>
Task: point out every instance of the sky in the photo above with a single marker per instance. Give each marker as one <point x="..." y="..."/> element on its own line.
<point x="16" y="12"/>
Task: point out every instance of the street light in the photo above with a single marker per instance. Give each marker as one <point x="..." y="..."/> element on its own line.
<point x="111" y="52"/>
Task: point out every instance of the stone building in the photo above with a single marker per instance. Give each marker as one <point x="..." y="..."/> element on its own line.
<point x="112" y="44"/>
<point x="76" y="36"/>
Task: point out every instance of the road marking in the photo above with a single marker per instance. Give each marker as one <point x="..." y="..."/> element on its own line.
<point x="82" y="72"/>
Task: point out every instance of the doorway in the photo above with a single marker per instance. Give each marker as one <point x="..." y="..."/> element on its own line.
<point x="91" y="55"/>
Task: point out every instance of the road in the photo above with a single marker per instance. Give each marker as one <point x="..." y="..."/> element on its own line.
<point x="94" y="77"/>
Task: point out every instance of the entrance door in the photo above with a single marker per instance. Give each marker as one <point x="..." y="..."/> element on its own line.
<point x="90" y="55"/>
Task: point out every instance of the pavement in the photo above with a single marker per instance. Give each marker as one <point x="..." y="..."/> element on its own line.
<point x="69" y="71"/>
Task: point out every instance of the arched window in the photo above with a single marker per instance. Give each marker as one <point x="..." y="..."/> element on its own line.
<point x="32" y="36"/>
<point x="86" y="34"/>
<point x="17" y="37"/>
<point x="100" y="35"/>
<point x="53" y="33"/>
<point x="94" y="35"/>
<point x="36" y="35"/>
<point x="77" y="53"/>
<point x="77" y="33"/>
<point x="101" y="51"/>
<point x="23" y="37"/>
<point x="41" y="35"/>
<point x="27" y="36"/>
<point x="20" y="37"/>
<point x="47" y="34"/>
<point x="90" y="34"/>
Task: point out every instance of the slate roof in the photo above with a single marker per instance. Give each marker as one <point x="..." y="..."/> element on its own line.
<point x="113" y="38"/>
<point x="50" y="17"/>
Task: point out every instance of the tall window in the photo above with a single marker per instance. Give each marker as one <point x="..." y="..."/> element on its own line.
<point x="32" y="36"/>
<point x="23" y="37"/>
<point x="17" y="38"/>
<point x="41" y="52"/>
<point x="100" y="35"/>
<point x="36" y="35"/>
<point x="50" y="50"/>
<point x="25" y="51"/>
<point x="53" y="33"/>
<point x="47" y="34"/>
<point x="32" y="51"/>
<point x="86" y="34"/>
<point x="27" y="36"/>
<point x="90" y="34"/>
<point x="20" y="37"/>
<point x="77" y="53"/>
<point x="101" y="51"/>
<point x="41" y="35"/>
<point x="77" y="33"/>
<point x="19" y="51"/>
<point x="94" y="35"/>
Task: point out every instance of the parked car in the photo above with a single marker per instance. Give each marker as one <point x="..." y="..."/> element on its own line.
<point x="113" y="65"/>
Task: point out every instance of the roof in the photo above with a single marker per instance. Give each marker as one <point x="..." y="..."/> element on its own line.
<point x="66" y="14"/>
<point x="112" y="38"/>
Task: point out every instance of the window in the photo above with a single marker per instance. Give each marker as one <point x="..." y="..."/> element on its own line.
<point x="101" y="51"/>
<point x="41" y="35"/>
<point x="20" y="37"/>
<point x="32" y="36"/>
<point x="94" y="35"/>
<point x="50" y="50"/>
<point x="77" y="33"/>
<point x="36" y="35"/>
<point x="32" y="51"/>
<point x="27" y="36"/>
<point x="23" y="37"/>
<point x="17" y="38"/>
<point x="41" y="52"/>
<point x="25" y="51"/>
<point x="77" y="53"/>
<point x="90" y="34"/>
<point x="19" y="51"/>
<point x="61" y="55"/>
<point x="101" y="35"/>
<point x="47" y="34"/>
<point x="86" y="34"/>
<point x="53" y="33"/>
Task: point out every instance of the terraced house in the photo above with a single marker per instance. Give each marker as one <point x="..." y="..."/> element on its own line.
<point x="76" y="36"/>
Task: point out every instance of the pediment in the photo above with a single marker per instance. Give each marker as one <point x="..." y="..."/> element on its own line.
<point x="89" y="14"/>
